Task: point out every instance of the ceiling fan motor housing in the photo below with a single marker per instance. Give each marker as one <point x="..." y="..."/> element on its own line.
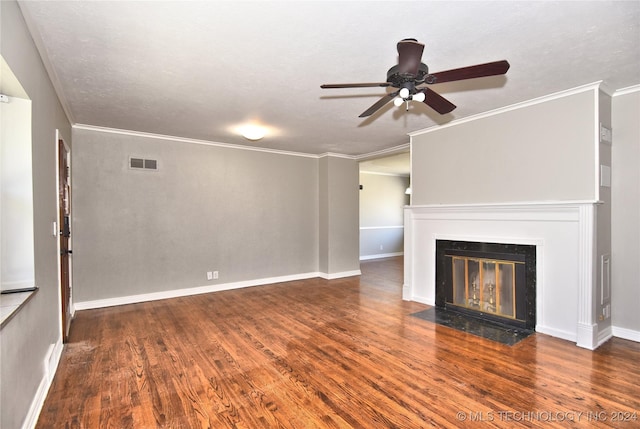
<point x="407" y="80"/>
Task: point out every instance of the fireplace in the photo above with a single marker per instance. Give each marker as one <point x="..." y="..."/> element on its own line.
<point x="490" y="281"/>
<point x="567" y="291"/>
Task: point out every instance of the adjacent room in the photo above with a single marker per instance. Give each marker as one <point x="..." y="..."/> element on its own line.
<point x="320" y="214"/>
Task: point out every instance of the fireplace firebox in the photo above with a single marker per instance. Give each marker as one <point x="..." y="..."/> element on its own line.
<point x="490" y="281"/>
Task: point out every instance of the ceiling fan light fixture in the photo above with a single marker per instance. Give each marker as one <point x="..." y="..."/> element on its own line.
<point x="419" y="97"/>
<point x="404" y="93"/>
<point x="398" y="101"/>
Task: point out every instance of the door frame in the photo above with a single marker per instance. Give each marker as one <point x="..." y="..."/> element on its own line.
<point x="57" y="229"/>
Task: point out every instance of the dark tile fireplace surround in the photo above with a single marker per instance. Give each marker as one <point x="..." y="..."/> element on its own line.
<point x="487" y="289"/>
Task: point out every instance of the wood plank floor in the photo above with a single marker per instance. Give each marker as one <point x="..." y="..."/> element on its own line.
<point x="326" y="354"/>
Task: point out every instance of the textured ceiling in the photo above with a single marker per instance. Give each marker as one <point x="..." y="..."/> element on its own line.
<point x="198" y="69"/>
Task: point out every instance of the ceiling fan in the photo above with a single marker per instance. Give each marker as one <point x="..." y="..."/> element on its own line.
<point x="410" y="74"/>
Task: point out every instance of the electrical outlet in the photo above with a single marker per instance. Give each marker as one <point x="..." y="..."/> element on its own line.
<point x="215" y="274"/>
<point x="210" y="275"/>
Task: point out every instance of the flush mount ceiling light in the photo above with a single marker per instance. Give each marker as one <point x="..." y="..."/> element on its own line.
<point x="253" y="132"/>
<point x="253" y="129"/>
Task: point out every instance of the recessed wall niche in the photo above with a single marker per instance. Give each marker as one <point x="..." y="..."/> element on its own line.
<point x="16" y="231"/>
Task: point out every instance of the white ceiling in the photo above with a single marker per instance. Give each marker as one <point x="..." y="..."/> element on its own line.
<point x="198" y="69"/>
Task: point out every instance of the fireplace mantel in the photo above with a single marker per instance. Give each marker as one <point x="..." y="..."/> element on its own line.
<point x="564" y="234"/>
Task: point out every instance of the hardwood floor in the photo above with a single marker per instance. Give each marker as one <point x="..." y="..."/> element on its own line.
<point x="326" y="354"/>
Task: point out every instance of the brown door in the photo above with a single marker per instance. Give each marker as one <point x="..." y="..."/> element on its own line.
<point x="64" y="195"/>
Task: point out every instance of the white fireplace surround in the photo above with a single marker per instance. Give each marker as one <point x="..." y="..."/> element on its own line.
<point x="564" y="236"/>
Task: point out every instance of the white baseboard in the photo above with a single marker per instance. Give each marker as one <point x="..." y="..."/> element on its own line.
<point x="587" y="335"/>
<point x="50" y="365"/>
<point x="381" y="255"/>
<point x="421" y="299"/>
<point x="154" y="296"/>
<point x="343" y="274"/>
<point x="627" y="334"/>
<point x="605" y="335"/>
<point x="557" y="333"/>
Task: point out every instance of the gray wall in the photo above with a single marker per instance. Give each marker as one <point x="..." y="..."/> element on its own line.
<point x="338" y="199"/>
<point x="246" y="214"/>
<point x="537" y="153"/>
<point x="27" y="337"/>
<point x="557" y="162"/>
<point x="625" y="200"/>
<point x="382" y="201"/>
<point x="603" y="223"/>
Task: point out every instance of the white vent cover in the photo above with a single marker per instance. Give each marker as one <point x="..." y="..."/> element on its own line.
<point x="143" y="164"/>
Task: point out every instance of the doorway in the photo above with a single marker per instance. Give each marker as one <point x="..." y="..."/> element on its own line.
<point x="64" y="222"/>
<point x="384" y="192"/>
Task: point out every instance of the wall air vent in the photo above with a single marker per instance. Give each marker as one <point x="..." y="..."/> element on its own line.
<point x="143" y="164"/>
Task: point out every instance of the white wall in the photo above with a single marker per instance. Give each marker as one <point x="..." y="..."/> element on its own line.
<point x="17" y="195"/>
<point x="382" y="201"/>
<point x="625" y="225"/>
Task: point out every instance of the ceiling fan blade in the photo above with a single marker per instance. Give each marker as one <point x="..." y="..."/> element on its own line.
<point x="471" y="72"/>
<point x="437" y="102"/>
<point x="355" y="85"/>
<point x="409" y="56"/>
<point x="378" y="104"/>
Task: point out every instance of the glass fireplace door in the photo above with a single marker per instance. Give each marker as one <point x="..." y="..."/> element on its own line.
<point x="485" y="285"/>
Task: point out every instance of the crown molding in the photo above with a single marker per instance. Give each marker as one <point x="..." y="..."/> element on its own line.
<point x="561" y="94"/>
<point x="384" y="152"/>
<point x="604" y="87"/>
<point x="190" y="141"/>
<point x="627" y="90"/>
<point x="335" y="155"/>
